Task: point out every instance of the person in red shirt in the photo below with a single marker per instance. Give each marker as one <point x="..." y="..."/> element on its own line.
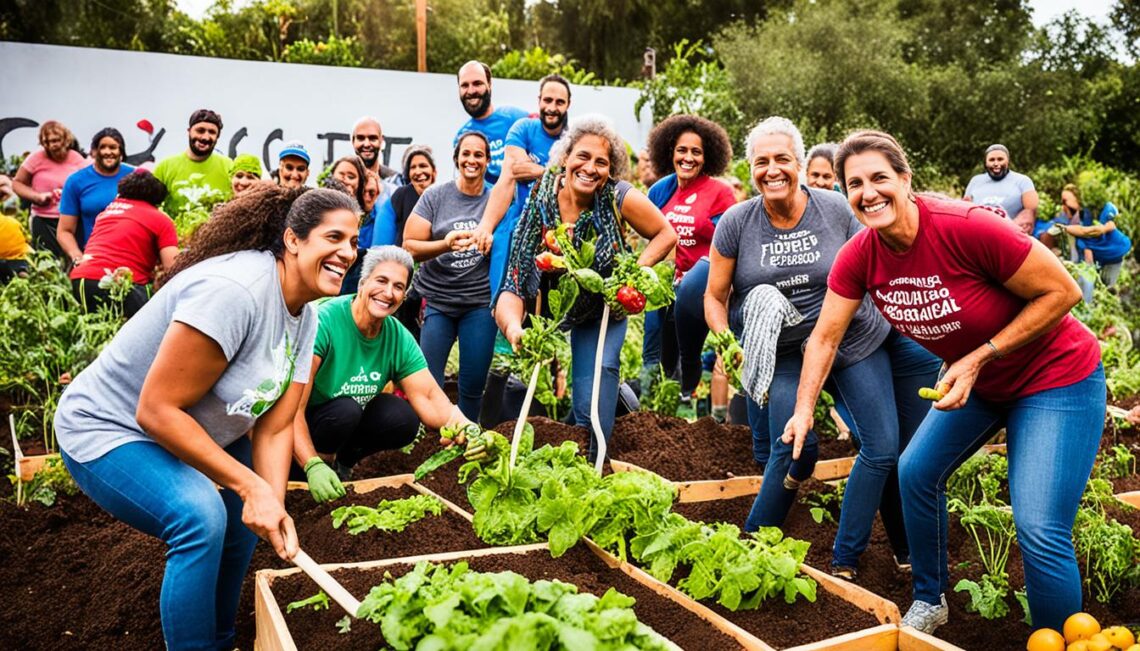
<point x="697" y="150"/>
<point x="994" y="304"/>
<point x="131" y="233"/>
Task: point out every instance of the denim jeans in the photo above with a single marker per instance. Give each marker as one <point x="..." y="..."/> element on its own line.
<point x="1052" y="438"/>
<point x="208" y="547"/>
<point x="882" y="424"/>
<point x="475" y="330"/>
<point x="583" y="348"/>
<point x="676" y="333"/>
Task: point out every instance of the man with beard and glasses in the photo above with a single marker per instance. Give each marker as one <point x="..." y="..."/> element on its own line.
<point x="999" y="186"/>
<point x="88" y="191"/>
<point x="494" y="123"/>
<point x="189" y="175"/>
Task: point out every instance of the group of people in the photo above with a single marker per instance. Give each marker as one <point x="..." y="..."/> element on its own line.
<point x="270" y="347"/>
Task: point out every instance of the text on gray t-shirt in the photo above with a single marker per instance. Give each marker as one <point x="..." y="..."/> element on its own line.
<point x="457" y="280"/>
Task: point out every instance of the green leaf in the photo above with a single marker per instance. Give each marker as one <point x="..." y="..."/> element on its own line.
<point x="438" y="460"/>
<point x="589" y="280"/>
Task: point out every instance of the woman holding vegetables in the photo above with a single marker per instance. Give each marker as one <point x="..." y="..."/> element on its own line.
<point x="994" y="304"/>
<point x="782" y="243"/>
<point x="199" y="389"/>
<point x="582" y="189"/>
<point x="345" y="415"/>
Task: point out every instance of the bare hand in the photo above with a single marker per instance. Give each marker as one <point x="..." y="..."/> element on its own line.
<point x="514" y="336"/>
<point x="1026" y="225"/>
<point x="957" y="383"/>
<point x="43" y="199"/>
<point x="459" y="240"/>
<point x="796" y="431"/>
<point x="1134" y="416"/>
<point x="265" y="516"/>
<point x="483" y="238"/>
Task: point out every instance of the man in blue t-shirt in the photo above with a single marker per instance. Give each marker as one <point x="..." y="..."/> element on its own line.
<point x="998" y="186"/>
<point x="89" y="190"/>
<point x="475" y="94"/>
<point x="528" y="146"/>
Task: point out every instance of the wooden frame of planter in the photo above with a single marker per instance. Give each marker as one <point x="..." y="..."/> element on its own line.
<point x="26" y="465"/>
<point x="1132" y="498"/>
<point x="272" y="633"/>
<point x="704" y="490"/>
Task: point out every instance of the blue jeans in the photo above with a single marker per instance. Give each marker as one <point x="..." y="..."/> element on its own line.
<point x="883" y="433"/>
<point x="1052" y="438"/>
<point x="475" y="330"/>
<point x="583" y="348"/>
<point x="208" y="547"/>
<point x="677" y="333"/>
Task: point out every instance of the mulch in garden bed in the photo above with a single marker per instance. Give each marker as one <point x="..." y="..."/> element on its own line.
<point x="879" y="574"/>
<point x="579" y="566"/>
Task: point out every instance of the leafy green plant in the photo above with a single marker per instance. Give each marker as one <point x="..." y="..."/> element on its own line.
<point x="46" y="485"/>
<point x="319" y="601"/>
<point x="536" y="63"/>
<point x="693" y="82"/>
<point x="983" y="478"/>
<point x="992" y="524"/>
<point x="1111" y="553"/>
<point x="334" y="51"/>
<point x="389" y="515"/>
<point x="442" y="607"/>
<point x="663" y="396"/>
<point x="823" y="503"/>
<point x="201" y="199"/>
<point x="1099" y="494"/>
<point x="1114" y="463"/>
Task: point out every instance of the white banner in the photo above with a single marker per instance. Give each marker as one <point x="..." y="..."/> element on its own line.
<point x="262" y="104"/>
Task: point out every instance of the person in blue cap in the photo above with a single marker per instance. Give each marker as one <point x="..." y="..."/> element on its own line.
<point x="293" y="165"/>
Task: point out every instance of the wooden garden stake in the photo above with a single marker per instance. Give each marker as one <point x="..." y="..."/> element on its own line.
<point x="330" y="585"/>
<point x="521" y="422"/>
<point x="595" y="421"/>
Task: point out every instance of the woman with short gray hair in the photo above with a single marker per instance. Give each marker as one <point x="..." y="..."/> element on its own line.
<point x="780" y="246"/>
<point x="345" y="414"/>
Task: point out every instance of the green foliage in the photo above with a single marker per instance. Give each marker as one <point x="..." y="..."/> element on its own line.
<point x="1111" y="553"/>
<point x="46" y="339"/>
<point x="631" y="347"/>
<point x="693" y="83"/>
<point x="981" y="479"/>
<point x="451" y="608"/>
<point x="536" y="63"/>
<point x="1114" y="463"/>
<point x="993" y="524"/>
<point x="389" y="515"/>
<point x="46" y="485"/>
<point x="202" y="198"/>
<point x="335" y="51"/>
<point x="319" y="601"/>
<point x="663" y="395"/>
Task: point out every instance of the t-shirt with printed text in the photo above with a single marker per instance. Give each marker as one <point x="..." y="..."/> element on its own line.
<point x="691" y="212"/>
<point x="495" y="126"/>
<point x="129" y="234"/>
<point x="946" y="292"/>
<point x="796" y="261"/>
<point x="235" y="300"/>
<point x="187" y="180"/>
<point x="87" y="193"/>
<point x="456" y="281"/>
<point x="353" y="365"/>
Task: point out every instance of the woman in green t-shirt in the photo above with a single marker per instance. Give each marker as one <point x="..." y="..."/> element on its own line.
<point x="358" y="350"/>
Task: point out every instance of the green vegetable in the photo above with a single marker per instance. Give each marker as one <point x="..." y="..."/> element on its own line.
<point x="926" y="393"/>
<point x="319" y="601"/>
<point x="442" y="608"/>
<point x="1110" y="551"/>
<point x="731" y="355"/>
<point x="389" y="515"/>
<point x="438" y="460"/>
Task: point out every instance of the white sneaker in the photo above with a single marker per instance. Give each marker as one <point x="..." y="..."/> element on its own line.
<point x="927" y="617"/>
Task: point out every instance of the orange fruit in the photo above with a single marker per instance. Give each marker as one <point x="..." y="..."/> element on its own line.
<point x="1045" y="639"/>
<point x="1099" y="642"/>
<point x="1080" y="626"/>
<point x="1119" y="636"/>
<point x="1079" y="645"/>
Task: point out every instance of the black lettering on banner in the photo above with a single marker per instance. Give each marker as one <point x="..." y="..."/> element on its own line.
<point x="276" y="134"/>
<point x="333" y="137"/>
<point x="11" y="124"/>
<point x="235" y="140"/>
<point x="394" y="140"/>
<point x="147" y="155"/>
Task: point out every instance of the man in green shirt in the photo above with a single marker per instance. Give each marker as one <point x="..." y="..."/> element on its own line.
<point x="345" y="414"/>
<point x="193" y="175"/>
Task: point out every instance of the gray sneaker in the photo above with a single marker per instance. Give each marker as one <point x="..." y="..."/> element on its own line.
<point x="927" y="617"/>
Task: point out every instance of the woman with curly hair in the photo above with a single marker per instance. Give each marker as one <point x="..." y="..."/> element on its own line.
<point x="40" y="180"/>
<point x="199" y="390"/>
<point x="692" y="199"/>
<point x="581" y="187"/>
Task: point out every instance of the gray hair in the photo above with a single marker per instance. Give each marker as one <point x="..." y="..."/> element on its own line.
<point x="772" y="125"/>
<point x="593" y="125"/>
<point x="823" y="150"/>
<point x="385" y="253"/>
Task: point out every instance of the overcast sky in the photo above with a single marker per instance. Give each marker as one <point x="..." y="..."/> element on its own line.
<point x="1043" y="10"/>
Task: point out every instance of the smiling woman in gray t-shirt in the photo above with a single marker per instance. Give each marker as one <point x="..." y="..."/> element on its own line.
<point x="221" y="351"/>
<point x="453" y="275"/>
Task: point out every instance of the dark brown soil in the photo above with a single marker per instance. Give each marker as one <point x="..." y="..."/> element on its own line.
<point x="579" y="566"/>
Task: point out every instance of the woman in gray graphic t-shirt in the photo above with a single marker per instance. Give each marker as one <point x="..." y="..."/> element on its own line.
<point x="454" y="275"/>
<point x="223" y="349"/>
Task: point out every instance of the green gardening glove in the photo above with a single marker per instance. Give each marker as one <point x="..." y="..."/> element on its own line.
<point x="324" y="485"/>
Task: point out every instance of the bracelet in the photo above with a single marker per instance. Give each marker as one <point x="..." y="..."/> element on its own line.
<point x="997" y="353"/>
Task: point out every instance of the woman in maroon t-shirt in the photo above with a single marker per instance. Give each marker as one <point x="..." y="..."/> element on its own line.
<point x="697" y="150"/>
<point x="994" y="304"/>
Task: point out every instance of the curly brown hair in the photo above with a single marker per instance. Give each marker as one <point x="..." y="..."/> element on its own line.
<point x="714" y="140"/>
<point x="256" y="221"/>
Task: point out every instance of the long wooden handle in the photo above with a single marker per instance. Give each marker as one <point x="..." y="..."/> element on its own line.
<point x="327" y="583"/>
<point x="595" y="421"/>
<point x="521" y="422"/>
